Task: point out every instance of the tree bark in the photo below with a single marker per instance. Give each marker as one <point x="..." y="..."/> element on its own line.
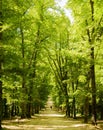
<point x="92" y="68"/>
<point x="0" y="102"/>
<point x="91" y="39"/>
<point x="28" y="109"/>
<point x="86" y="107"/>
<point x="1" y="60"/>
<point x="30" y="99"/>
<point x="93" y="85"/>
<point x="23" y="103"/>
<point x="66" y="100"/>
<point x="73" y="103"/>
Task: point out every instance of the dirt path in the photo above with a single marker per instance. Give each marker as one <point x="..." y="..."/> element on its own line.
<point x="48" y="119"/>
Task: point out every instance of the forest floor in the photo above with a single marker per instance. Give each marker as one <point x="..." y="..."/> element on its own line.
<point x="48" y="119"/>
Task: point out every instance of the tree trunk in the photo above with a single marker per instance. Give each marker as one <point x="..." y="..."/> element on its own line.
<point x="0" y="102"/>
<point x="93" y="85"/>
<point x="66" y="99"/>
<point x="74" y="108"/>
<point x="32" y="76"/>
<point x="5" y="110"/>
<point x="93" y="92"/>
<point x="91" y="39"/>
<point x="67" y="108"/>
<point x="101" y="114"/>
<point x="13" y="109"/>
<point x="30" y="101"/>
<point x="86" y="108"/>
<point x="73" y="103"/>
<point x="92" y="69"/>
<point x="100" y="107"/>
<point x="1" y="60"/>
<point x="23" y="103"/>
<point x="37" y="108"/>
<point x="28" y="110"/>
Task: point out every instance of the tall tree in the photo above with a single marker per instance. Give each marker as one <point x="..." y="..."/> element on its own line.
<point x="58" y="60"/>
<point x="91" y="39"/>
<point x="23" y="103"/>
<point x="92" y="35"/>
<point x="87" y="13"/>
<point x="1" y="60"/>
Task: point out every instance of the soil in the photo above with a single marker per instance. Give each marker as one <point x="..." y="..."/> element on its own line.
<point x="48" y="119"/>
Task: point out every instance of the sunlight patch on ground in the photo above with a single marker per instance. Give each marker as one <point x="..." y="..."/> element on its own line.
<point x="11" y="127"/>
<point x="36" y="127"/>
<point x="49" y="119"/>
<point x="15" y="121"/>
<point x="52" y="128"/>
<point x="79" y="125"/>
<point x="52" y="115"/>
<point x="45" y="129"/>
<point x="71" y="121"/>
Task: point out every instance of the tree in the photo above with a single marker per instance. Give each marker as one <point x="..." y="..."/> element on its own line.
<point x="91" y="23"/>
<point x="58" y="60"/>
<point x="38" y="36"/>
<point x="25" y="34"/>
<point x="1" y="60"/>
<point x="92" y="34"/>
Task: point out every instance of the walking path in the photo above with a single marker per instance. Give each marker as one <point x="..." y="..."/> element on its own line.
<point x="48" y="119"/>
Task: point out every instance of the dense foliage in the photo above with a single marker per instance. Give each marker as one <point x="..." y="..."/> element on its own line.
<point x="42" y="53"/>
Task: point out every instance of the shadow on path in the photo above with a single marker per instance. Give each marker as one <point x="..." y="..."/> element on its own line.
<point x="48" y="119"/>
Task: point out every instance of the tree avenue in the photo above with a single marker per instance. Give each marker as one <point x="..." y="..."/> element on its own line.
<point x="43" y="54"/>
